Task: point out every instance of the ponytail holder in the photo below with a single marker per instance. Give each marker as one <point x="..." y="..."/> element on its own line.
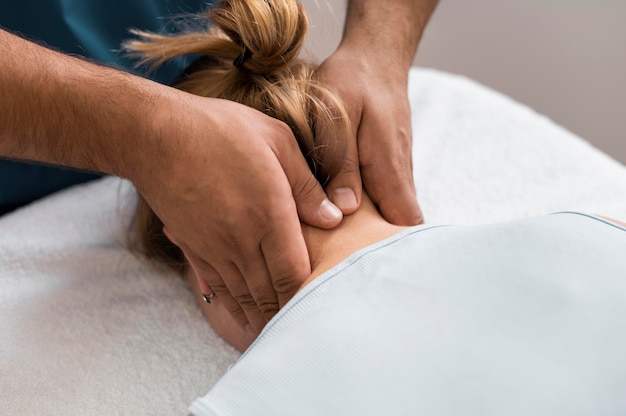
<point x="241" y="59"/>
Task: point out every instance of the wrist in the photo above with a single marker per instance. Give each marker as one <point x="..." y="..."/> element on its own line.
<point x="179" y="134"/>
<point x="150" y="158"/>
<point x="393" y="35"/>
<point x="376" y="52"/>
<point x="371" y="67"/>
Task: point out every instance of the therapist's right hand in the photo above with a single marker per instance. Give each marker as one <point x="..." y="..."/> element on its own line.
<point x="227" y="181"/>
<point x="231" y="189"/>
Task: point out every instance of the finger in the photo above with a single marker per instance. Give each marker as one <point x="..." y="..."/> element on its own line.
<point x="394" y="193"/>
<point x="313" y="206"/>
<point x="235" y="295"/>
<point x="220" y="319"/>
<point x="205" y="273"/>
<point x="233" y="283"/>
<point x="204" y="287"/>
<point x="400" y="207"/>
<point x="345" y="188"/>
<point x="286" y="256"/>
<point x="388" y="175"/>
<point x="259" y="285"/>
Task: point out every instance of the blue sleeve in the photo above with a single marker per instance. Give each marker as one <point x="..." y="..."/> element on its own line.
<point x="94" y="29"/>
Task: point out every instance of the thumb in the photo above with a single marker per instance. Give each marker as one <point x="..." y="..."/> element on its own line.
<point x="314" y="207"/>
<point x="345" y="188"/>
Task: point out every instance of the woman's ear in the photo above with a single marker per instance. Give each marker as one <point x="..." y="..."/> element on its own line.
<point x="169" y="236"/>
<point x="220" y="318"/>
<point x="204" y="286"/>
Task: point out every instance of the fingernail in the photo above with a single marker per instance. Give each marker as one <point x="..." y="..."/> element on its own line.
<point x="329" y="211"/>
<point x="344" y="198"/>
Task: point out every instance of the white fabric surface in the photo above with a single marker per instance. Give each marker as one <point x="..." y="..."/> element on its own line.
<point x="524" y="317"/>
<point x="86" y="328"/>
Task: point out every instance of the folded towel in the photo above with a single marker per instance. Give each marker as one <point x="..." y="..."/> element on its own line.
<point x="481" y="157"/>
<point x="89" y="329"/>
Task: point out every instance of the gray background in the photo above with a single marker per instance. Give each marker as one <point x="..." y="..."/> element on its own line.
<point x="564" y="58"/>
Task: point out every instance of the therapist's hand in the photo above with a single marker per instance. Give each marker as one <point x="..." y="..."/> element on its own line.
<point x="379" y="150"/>
<point x="230" y="195"/>
<point x="228" y="182"/>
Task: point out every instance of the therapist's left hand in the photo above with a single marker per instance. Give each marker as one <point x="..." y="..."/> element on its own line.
<point x="379" y="150"/>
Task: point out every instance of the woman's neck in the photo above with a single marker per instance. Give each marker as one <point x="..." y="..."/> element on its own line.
<point x="326" y="249"/>
<point x="329" y="247"/>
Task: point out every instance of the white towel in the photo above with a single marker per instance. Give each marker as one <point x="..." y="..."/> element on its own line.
<point x="88" y="329"/>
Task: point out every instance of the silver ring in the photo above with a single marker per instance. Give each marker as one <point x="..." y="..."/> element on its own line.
<point x="207" y="298"/>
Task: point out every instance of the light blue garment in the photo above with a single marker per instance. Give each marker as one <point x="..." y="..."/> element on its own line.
<point x="94" y="29"/>
<point x="519" y="318"/>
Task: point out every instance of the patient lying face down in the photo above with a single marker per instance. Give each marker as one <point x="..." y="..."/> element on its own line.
<point x="273" y="80"/>
<point x="270" y="79"/>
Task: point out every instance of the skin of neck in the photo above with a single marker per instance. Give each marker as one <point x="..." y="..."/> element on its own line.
<point x="326" y="248"/>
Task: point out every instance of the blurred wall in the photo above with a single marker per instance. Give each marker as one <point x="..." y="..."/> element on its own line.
<point x="564" y="58"/>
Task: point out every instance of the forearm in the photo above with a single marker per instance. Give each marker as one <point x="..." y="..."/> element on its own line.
<point x="387" y="29"/>
<point x="63" y="110"/>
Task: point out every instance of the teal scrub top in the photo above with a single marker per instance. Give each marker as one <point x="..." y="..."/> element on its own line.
<point x="94" y="29"/>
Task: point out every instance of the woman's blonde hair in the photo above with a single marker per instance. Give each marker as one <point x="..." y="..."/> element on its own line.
<point x="248" y="54"/>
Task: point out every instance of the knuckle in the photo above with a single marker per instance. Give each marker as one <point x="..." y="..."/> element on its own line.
<point x="235" y="311"/>
<point x="246" y="301"/>
<point x="282" y="140"/>
<point x="233" y="243"/>
<point x="219" y="289"/>
<point x="305" y="188"/>
<point x="392" y="172"/>
<point x="285" y="283"/>
<point x="350" y="167"/>
<point x="268" y="307"/>
<point x="257" y="230"/>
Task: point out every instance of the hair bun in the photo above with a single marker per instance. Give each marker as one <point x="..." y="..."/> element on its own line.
<point x="270" y="33"/>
